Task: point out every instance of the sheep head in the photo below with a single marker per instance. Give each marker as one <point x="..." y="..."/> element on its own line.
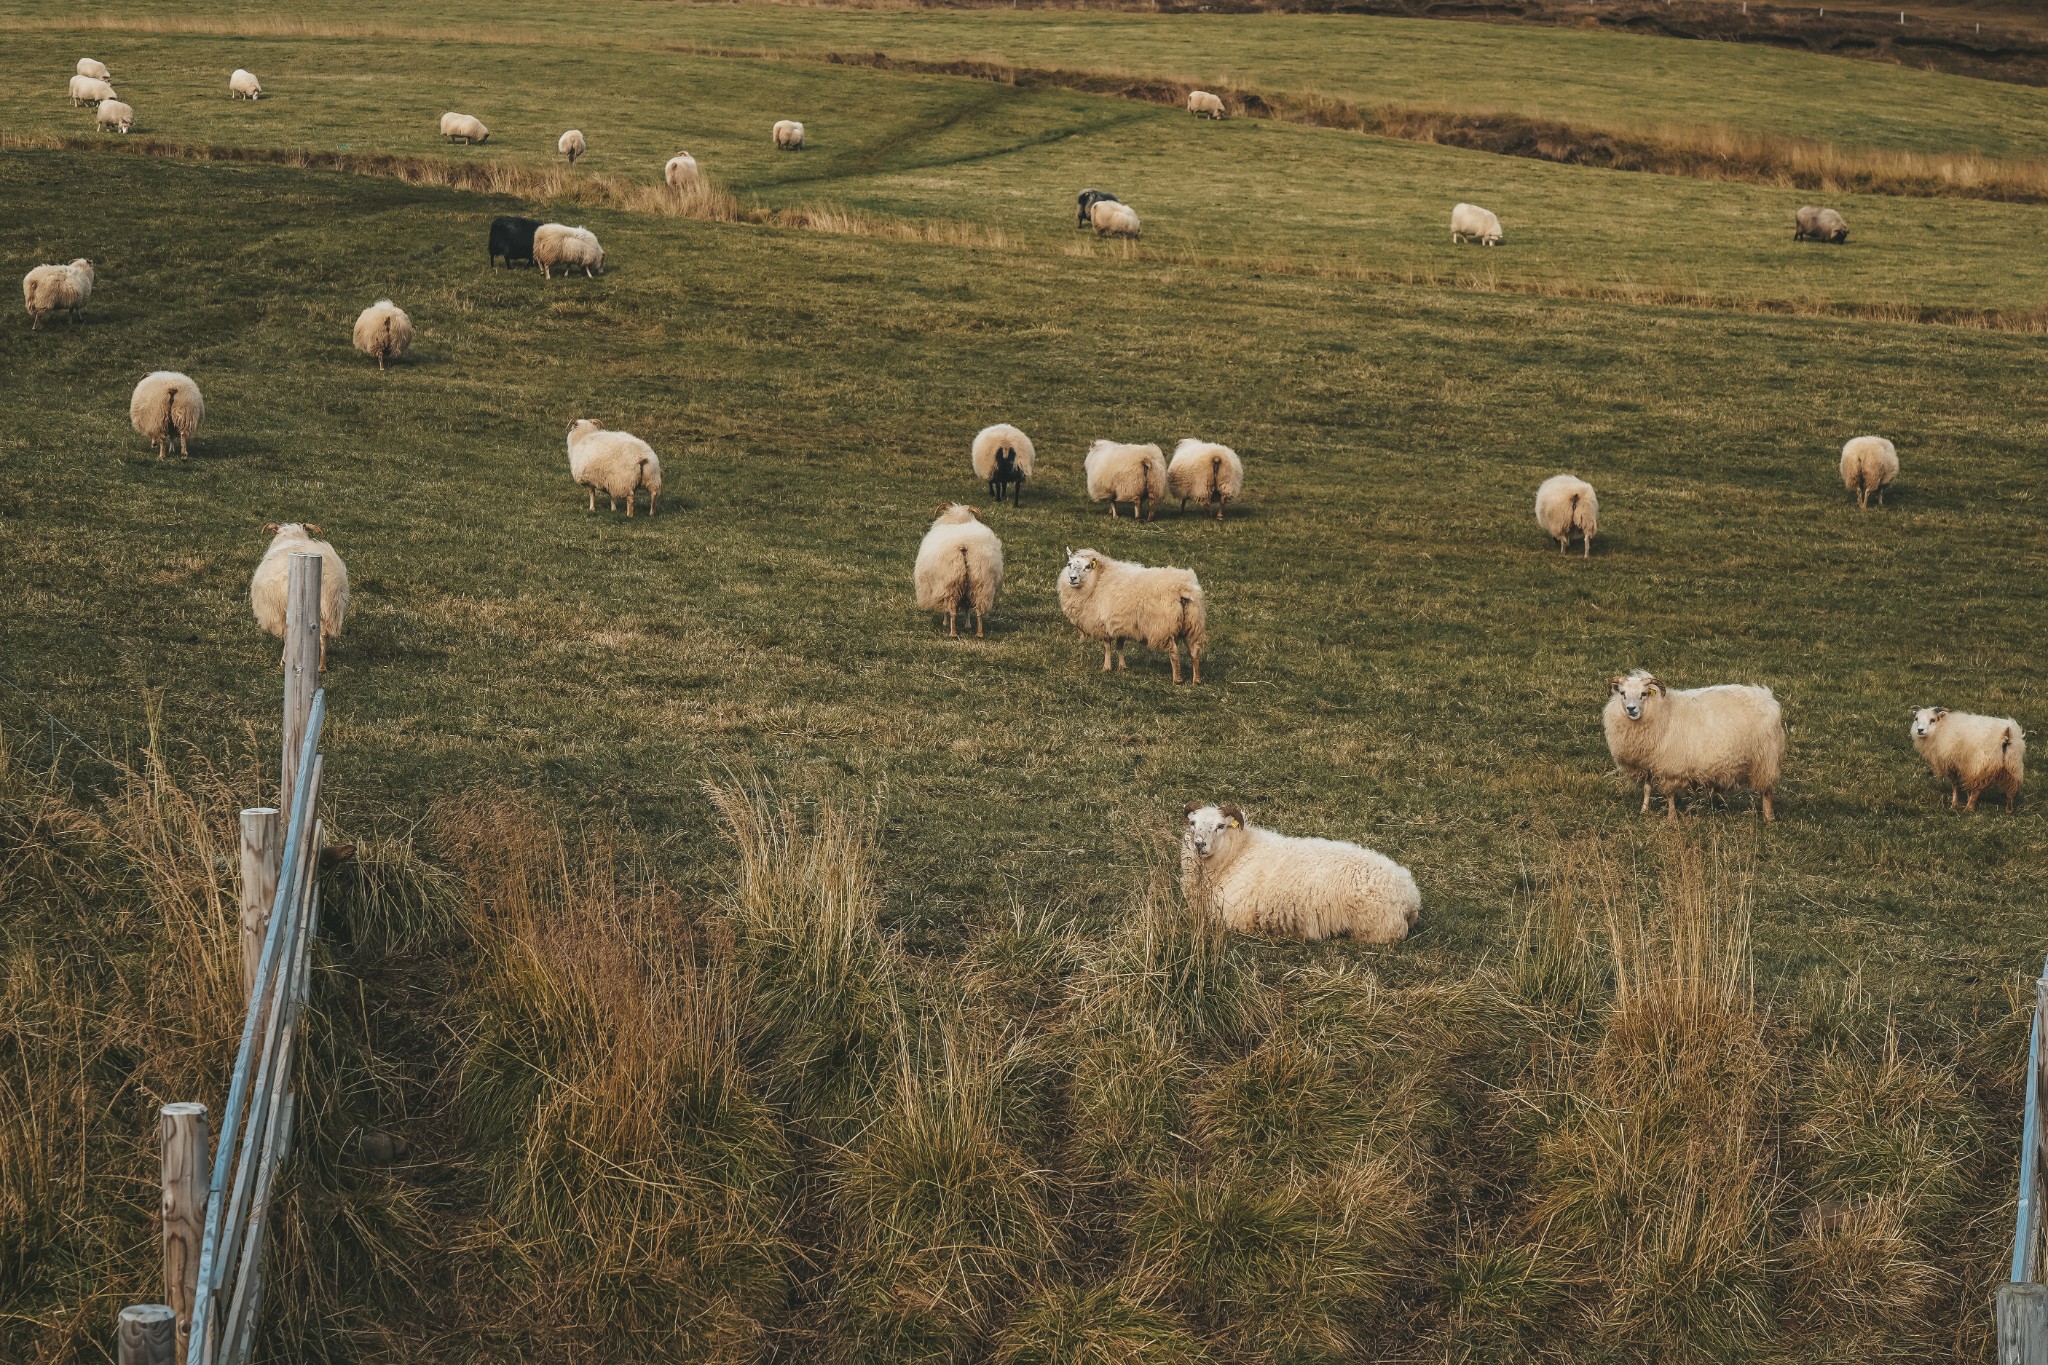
<point x="1925" y="719"/>
<point x="1635" y="692"/>
<point x="1081" y="564"/>
<point x="1209" y="828"/>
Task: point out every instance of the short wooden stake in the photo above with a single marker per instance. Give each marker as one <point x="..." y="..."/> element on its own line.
<point x="301" y="668"/>
<point x="2022" y="1324"/>
<point x="262" y="847"/>
<point x="148" y="1334"/>
<point x="181" y="1129"/>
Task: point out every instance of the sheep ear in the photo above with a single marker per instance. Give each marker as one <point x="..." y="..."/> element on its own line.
<point x="1940" y="711"/>
<point x="271" y="528"/>
<point x="1651" y="687"/>
<point x="1070" y="552"/>
<point x="976" y="511"/>
<point x="940" y="510"/>
<point x="1233" y="817"/>
<point x="1614" y="684"/>
<point x="1188" y="811"/>
<point x="313" y="528"/>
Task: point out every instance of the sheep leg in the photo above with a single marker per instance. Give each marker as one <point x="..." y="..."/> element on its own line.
<point x="977" y="623"/>
<point x="1770" y="812"/>
<point x="1120" y="653"/>
<point x="1219" y="509"/>
<point x="650" y="502"/>
<point x="1953" y="795"/>
<point x="1971" y="804"/>
<point x="952" y="629"/>
<point x="323" y="651"/>
<point x="1671" y="806"/>
<point x="1112" y="509"/>
<point x="1646" y="796"/>
<point x="1175" y="647"/>
<point x="380" y="362"/>
<point x="1106" y="647"/>
<point x="593" y="499"/>
<point x="1195" y="663"/>
<point x="2012" y="796"/>
<point x="183" y="452"/>
<point x="632" y="496"/>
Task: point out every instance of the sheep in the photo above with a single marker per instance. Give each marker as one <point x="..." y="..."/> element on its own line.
<point x="1812" y="224"/>
<point x="1481" y="225"/>
<point x="1086" y="201"/>
<point x="1712" y="737"/>
<point x="1869" y="464"/>
<point x="463" y="126"/>
<point x="1002" y="457"/>
<point x="789" y="135"/>
<point x="114" y="114"/>
<point x="1112" y="600"/>
<point x="1202" y="104"/>
<point x="1256" y="881"/>
<point x="270" y="587"/>
<point x="1111" y="219"/>
<point x="384" y="331"/>
<point x="1125" y="473"/>
<point x="1975" y="753"/>
<point x="512" y="238"/>
<point x="567" y="249"/>
<point x="97" y="70"/>
<point x="1565" y="504"/>
<point x="167" y="404"/>
<point x="681" y="170"/>
<point x="613" y="463"/>
<point x="572" y="145"/>
<point x="960" y="561"/>
<point x="244" y="85"/>
<point x="1205" y="472"/>
<point x="52" y="289"/>
<point x="89" y="90"/>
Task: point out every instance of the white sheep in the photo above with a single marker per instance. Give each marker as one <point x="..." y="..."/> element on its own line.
<point x="89" y="90"/>
<point x="1819" y="225"/>
<point x="613" y="463"/>
<point x="1002" y="457"/>
<point x="1126" y="473"/>
<point x="681" y="170"/>
<point x="1974" y="753"/>
<point x="270" y="588"/>
<point x="465" y="127"/>
<point x="1712" y="737"/>
<point x="97" y="70"/>
<point x="1869" y="464"/>
<point x="572" y="145"/>
<point x="244" y="85"/>
<point x="1204" y="472"/>
<point x="114" y="114"/>
<point x="1565" y="504"/>
<point x="567" y="249"/>
<point x="1259" y="882"/>
<point x="1202" y="104"/>
<point x="1113" y="600"/>
<point x="383" y="331"/>
<point x="959" y="566"/>
<point x="52" y="289"/>
<point x="1481" y="225"/>
<point x="789" y="135"/>
<point x="1111" y="219"/>
<point x="167" y="404"/>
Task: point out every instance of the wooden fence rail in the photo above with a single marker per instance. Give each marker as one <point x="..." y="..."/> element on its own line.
<point x="2023" y="1300"/>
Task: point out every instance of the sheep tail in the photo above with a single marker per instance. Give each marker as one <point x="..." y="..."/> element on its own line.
<point x="640" y="474"/>
<point x="2005" y="745"/>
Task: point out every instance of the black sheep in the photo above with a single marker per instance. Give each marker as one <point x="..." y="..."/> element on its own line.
<point x="1006" y="475"/>
<point x="512" y="238"/>
<point x="1088" y="200"/>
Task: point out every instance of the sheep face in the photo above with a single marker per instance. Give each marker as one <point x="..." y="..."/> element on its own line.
<point x="1925" y="719"/>
<point x="1081" y="567"/>
<point x="1211" y="829"/>
<point x="1635" y="692"/>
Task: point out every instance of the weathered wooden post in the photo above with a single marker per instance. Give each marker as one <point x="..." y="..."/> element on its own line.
<point x="148" y="1334"/>
<point x="301" y="668"/>
<point x="2023" y="1324"/>
<point x="262" y="846"/>
<point x="182" y="1130"/>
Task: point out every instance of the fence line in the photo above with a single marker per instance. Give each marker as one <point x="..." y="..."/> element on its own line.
<point x="2023" y="1301"/>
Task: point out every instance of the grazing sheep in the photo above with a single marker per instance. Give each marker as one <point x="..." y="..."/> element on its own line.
<point x="1481" y="225"/>
<point x="614" y="464"/>
<point x="960" y="561"/>
<point x="52" y="289"/>
<point x="270" y="588"/>
<point x="1111" y="219"/>
<point x="167" y="404"/>
<point x="1869" y="464"/>
<point x="567" y="249"/>
<point x="1565" y="504"/>
<point x="1086" y="202"/>
<point x="572" y="145"/>
<point x="1974" y="753"/>
<point x="1124" y="473"/>
<point x="384" y="331"/>
<point x="1259" y="882"/>
<point x="114" y="114"/>
<point x="244" y="85"/>
<point x="1206" y="473"/>
<point x="681" y="170"/>
<point x="512" y="238"/>
<point x="1002" y="457"/>
<point x="1712" y="737"/>
<point x="463" y="126"/>
<point x="1113" y="600"/>
<point x="1812" y="224"/>
<point x="98" y="71"/>
<point x="89" y="90"/>
<point x="1202" y="104"/>
<point x="789" y="135"/>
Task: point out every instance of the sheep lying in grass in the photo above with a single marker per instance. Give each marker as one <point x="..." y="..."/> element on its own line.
<point x="567" y="249"/>
<point x="52" y="289"/>
<point x="1869" y="464"/>
<point x="89" y="90"/>
<point x="1202" y="104"/>
<point x="1111" y="219"/>
<point x="959" y="566"/>
<point x="1126" y="473"/>
<point x="1564" y="505"/>
<point x="114" y="114"/>
<point x="1259" y="882"/>
<point x="613" y="463"/>
<point x="1204" y="472"/>
<point x="512" y="238"/>
<point x="465" y="127"/>
<point x="789" y="135"/>
<point x="270" y="588"/>
<point x="1812" y="224"/>
<point x="1481" y="225"/>
<point x="1002" y="457"/>
<point x="1713" y="737"/>
<point x="571" y="144"/>
<point x="1112" y="600"/>
<point x="383" y="331"/>
<point x="681" y="170"/>
<point x="167" y="404"/>
<point x="1974" y="753"/>
<point x="98" y="71"/>
<point x="1085" y="204"/>
<point x="244" y="85"/>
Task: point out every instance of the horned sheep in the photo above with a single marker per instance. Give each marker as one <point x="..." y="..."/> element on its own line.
<point x="613" y="463"/>
<point x="567" y="249"/>
<point x="244" y="85"/>
<point x="1002" y="457"/>
<point x="383" y="331"/>
<point x="97" y="70"/>
<point x="1812" y="224"/>
<point x="167" y="404"/>
<point x="1481" y="225"/>
<point x="270" y="588"/>
<point x="1202" y="104"/>
<point x="1111" y="219"/>
<point x="464" y="126"/>
<point x="1204" y="472"/>
<point x="959" y="567"/>
<point x="1126" y="473"/>
<point x="52" y="289"/>
<point x="681" y="170"/>
<point x="114" y="114"/>
<point x="1565" y="505"/>
<point x="1113" y="600"/>
<point x="1869" y="464"/>
<point x="89" y="90"/>
<point x="571" y="145"/>
<point x="1257" y="881"/>
<point x="789" y="135"/>
<point x="1712" y="737"/>
<point x="1974" y="753"/>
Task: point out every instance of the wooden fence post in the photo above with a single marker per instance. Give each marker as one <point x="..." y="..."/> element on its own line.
<point x="261" y="849"/>
<point x="182" y="1130"/>
<point x="148" y="1334"/>
<point x="301" y="668"/>
<point x="2023" y="1324"/>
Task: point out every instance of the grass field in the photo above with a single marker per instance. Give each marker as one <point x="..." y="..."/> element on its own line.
<point x="929" y="992"/>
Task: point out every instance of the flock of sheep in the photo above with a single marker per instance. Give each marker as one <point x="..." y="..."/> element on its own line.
<point x="1713" y="738"/>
